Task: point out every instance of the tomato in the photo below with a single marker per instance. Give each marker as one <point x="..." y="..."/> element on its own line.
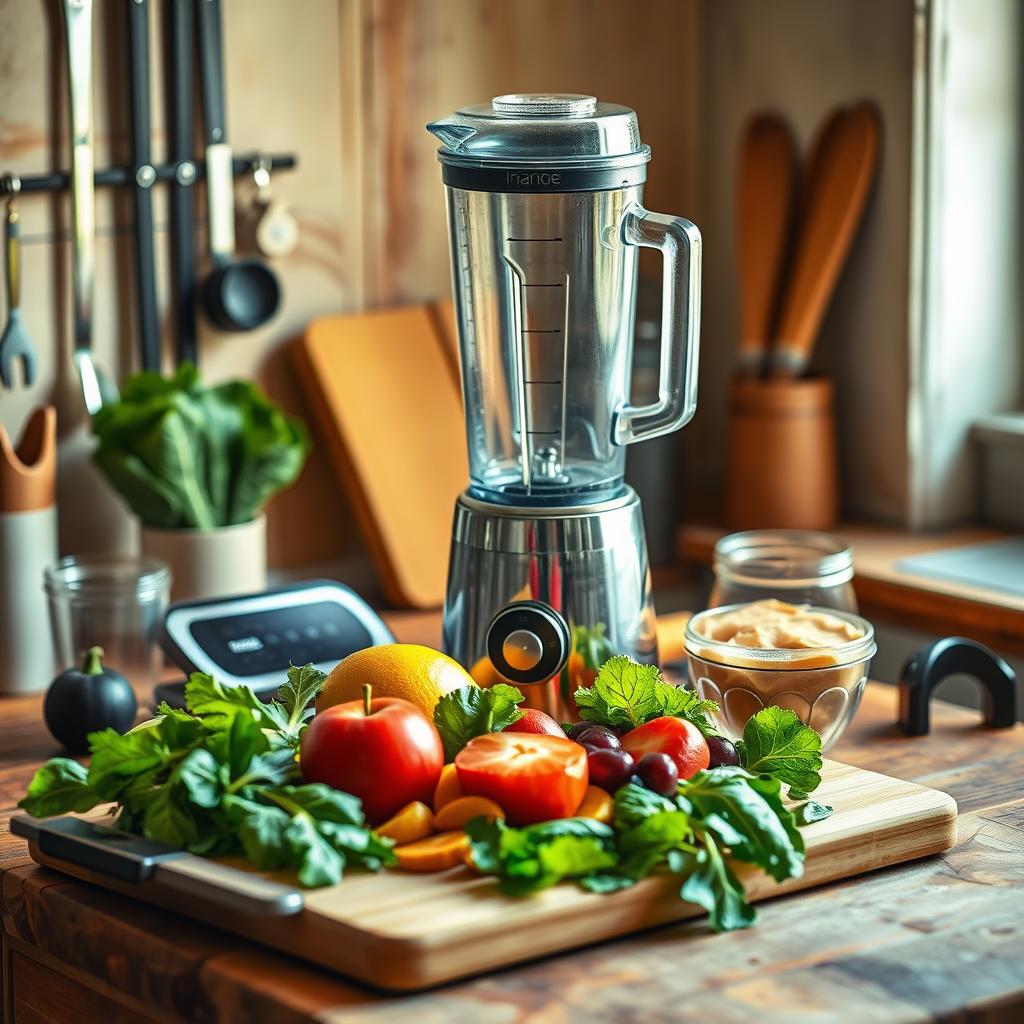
<point x="537" y="723"/>
<point x="532" y="778"/>
<point x="680" y="739"/>
<point x="388" y="758"/>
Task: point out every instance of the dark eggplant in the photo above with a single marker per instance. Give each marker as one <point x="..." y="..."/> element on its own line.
<point x="85" y="700"/>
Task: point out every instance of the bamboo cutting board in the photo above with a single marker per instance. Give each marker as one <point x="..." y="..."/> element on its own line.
<point x="405" y="932"/>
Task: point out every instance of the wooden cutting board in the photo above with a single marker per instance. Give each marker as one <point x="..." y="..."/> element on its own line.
<point x="404" y="932"/>
<point x="384" y="388"/>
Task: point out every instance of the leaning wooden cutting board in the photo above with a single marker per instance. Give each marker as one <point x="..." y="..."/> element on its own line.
<point x="405" y="932"/>
<point x="384" y="387"/>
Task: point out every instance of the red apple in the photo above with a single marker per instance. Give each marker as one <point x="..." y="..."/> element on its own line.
<point x="680" y="739"/>
<point x="536" y="722"/>
<point x="384" y="751"/>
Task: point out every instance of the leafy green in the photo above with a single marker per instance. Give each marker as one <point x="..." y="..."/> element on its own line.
<point x="627" y="694"/>
<point x="746" y="814"/>
<point x="538" y="856"/>
<point x="776" y="743"/>
<point x="59" y="786"/>
<point x="473" y="711"/>
<point x="221" y="778"/>
<point x="711" y="884"/>
<point x="810" y="812"/>
<point x="188" y="456"/>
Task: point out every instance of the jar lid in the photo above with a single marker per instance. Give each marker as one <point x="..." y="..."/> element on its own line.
<point x="541" y="142"/>
<point x="107" y="576"/>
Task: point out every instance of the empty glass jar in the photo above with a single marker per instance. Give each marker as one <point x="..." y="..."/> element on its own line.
<point x="797" y="566"/>
<point x="110" y="602"/>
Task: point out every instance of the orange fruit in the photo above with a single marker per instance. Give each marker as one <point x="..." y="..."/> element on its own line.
<point x="455" y="814"/>
<point x="596" y="804"/>
<point x="448" y="788"/>
<point x="435" y="853"/>
<point x="414" y="673"/>
<point x="414" y="821"/>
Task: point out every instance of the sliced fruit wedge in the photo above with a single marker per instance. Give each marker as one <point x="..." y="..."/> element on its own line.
<point x="436" y="853"/>
<point x="414" y="821"/>
<point x="448" y="788"/>
<point x="456" y="813"/>
<point x="596" y="804"/>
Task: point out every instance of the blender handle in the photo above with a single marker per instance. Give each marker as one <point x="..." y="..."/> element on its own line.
<point x="680" y="245"/>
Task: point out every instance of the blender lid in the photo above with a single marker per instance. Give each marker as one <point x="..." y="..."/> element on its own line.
<point x="546" y="141"/>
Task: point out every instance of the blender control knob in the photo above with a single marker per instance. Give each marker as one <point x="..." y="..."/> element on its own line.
<point x="528" y="642"/>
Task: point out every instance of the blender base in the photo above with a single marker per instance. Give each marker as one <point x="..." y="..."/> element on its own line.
<point x="516" y="573"/>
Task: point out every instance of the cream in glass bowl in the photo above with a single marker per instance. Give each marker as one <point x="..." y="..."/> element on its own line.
<point x="813" y="661"/>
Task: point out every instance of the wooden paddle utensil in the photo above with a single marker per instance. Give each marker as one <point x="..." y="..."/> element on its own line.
<point x="765" y="186"/>
<point x="841" y="169"/>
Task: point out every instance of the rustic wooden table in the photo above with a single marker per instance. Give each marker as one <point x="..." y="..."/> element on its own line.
<point x="939" y="939"/>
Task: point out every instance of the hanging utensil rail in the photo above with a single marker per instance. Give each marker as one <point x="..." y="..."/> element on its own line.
<point x="117" y="176"/>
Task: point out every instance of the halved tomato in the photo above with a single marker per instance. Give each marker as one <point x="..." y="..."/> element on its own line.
<point x="534" y="778"/>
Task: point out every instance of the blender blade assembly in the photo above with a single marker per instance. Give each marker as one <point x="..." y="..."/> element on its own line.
<point x="545" y="216"/>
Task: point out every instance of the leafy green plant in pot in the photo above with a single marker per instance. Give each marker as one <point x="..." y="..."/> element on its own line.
<point x="197" y="465"/>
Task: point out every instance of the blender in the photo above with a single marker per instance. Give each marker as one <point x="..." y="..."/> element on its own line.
<point x="548" y="567"/>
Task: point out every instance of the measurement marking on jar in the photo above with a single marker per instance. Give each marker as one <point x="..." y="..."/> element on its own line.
<point x="537" y="330"/>
<point x="543" y="433"/>
<point x="533" y="239"/>
<point x="559" y="381"/>
<point x="557" y="284"/>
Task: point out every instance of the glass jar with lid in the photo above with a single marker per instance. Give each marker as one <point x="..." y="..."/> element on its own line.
<point x="798" y="566"/>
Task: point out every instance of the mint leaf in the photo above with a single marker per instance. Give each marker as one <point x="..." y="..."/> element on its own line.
<point x="711" y="885"/>
<point x="682" y="703"/>
<point x="810" y="812"/>
<point x="627" y="693"/>
<point x="473" y="711"/>
<point x="324" y="803"/>
<point x="57" y="787"/>
<point x="776" y="743"/>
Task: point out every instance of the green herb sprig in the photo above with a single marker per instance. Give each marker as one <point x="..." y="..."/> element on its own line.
<point x="221" y="778"/>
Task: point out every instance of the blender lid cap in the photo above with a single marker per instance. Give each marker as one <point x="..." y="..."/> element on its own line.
<point x="561" y="130"/>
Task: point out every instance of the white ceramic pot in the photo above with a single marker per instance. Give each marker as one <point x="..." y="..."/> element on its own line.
<point x="212" y="563"/>
<point x="28" y="544"/>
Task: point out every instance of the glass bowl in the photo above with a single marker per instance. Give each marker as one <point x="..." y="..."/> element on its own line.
<point x="823" y="686"/>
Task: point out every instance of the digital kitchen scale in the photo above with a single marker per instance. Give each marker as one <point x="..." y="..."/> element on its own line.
<point x="251" y="640"/>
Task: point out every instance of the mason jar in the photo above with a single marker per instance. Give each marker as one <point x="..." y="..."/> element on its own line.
<point x="798" y="566"/>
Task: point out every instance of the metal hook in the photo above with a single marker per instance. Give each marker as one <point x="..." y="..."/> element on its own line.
<point x="11" y="184"/>
<point x="261" y="172"/>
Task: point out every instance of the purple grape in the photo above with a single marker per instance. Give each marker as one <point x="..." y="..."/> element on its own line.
<point x="609" y="769"/>
<point x="723" y="751"/>
<point x="577" y="730"/>
<point x="598" y="738"/>
<point x="658" y="773"/>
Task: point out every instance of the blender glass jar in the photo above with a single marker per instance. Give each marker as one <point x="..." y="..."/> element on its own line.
<point x="545" y="219"/>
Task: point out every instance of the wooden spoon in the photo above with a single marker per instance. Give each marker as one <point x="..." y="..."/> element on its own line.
<point x="842" y="167"/>
<point x="764" y="200"/>
<point x="28" y="473"/>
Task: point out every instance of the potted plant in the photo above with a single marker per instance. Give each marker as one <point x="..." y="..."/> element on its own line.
<point x="197" y="464"/>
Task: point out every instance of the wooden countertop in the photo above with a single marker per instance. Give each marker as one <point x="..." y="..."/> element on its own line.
<point x="887" y="593"/>
<point x="939" y="939"/>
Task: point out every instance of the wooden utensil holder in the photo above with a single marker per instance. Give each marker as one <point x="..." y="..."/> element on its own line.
<point x="781" y="468"/>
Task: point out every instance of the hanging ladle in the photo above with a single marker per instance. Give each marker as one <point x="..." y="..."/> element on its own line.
<point x="239" y="295"/>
